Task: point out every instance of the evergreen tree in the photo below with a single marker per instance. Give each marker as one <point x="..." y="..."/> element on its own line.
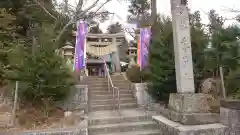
<point x="161" y="62"/>
<point x="43" y="76"/>
<point x="162" y="71"/>
<point x="199" y="41"/>
<point x="7" y="41"/>
<point x="96" y="30"/>
<point x="115" y="28"/>
<point x="138" y="6"/>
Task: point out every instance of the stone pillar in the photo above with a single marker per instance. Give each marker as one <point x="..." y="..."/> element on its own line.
<point x="185" y="106"/>
<point x="100" y="71"/>
<point x="116" y="58"/>
<point x="182" y="47"/>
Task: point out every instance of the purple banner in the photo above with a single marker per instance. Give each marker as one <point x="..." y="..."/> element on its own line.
<point x="80" y="47"/>
<point x="145" y="36"/>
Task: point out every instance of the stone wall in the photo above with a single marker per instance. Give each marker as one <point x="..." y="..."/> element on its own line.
<point x="80" y="129"/>
<point x="77" y="99"/>
<point x="6" y="107"/>
<point x="230" y="116"/>
<point x="75" y="131"/>
<point x="143" y="98"/>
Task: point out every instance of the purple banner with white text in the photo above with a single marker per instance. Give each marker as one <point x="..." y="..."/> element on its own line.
<point x="80" y="47"/>
<point x="145" y="36"/>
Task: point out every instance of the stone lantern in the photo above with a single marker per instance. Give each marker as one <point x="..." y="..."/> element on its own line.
<point x="132" y="53"/>
<point x="68" y="50"/>
<point x="68" y="53"/>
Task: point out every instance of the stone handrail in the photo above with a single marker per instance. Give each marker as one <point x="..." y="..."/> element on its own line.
<point x="111" y="86"/>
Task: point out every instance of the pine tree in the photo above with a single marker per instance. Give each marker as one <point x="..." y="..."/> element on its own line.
<point x="162" y="71"/>
<point x="138" y="6"/>
<point x="7" y="40"/>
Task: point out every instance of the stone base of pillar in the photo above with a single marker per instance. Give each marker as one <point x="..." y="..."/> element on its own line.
<point x="194" y="118"/>
<point x="168" y="127"/>
<point x="189" y="115"/>
<point x="230" y="115"/>
<point x="191" y="109"/>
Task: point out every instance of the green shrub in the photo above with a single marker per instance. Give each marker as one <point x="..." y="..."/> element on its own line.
<point x="134" y="74"/>
<point x="232" y="84"/>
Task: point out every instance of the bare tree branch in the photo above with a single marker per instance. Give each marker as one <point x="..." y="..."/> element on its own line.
<point x="90" y="7"/>
<point x="102" y="5"/>
<point x="79" y="5"/>
<point x="64" y="29"/>
<point x="37" y="2"/>
<point x="79" y="15"/>
<point x="237" y="11"/>
<point x="130" y="33"/>
<point x="96" y="14"/>
<point x="231" y="9"/>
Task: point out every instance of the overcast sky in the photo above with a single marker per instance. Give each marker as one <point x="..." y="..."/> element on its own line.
<point x="204" y="6"/>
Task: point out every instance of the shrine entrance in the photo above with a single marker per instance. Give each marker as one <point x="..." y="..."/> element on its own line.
<point x="95" y="69"/>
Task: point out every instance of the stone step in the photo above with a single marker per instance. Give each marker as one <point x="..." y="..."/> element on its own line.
<point x="119" y="119"/>
<point x="105" y="85"/>
<point x="99" y="92"/>
<point x="100" y="97"/>
<point x="122" y="101"/>
<point x="95" y="78"/>
<point x="144" y="132"/>
<point x="5" y="100"/>
<point x="122" y="127"/>
<point x="119" y="80"/>
<point x="90" y="88"/>
<point x="118" y="76"/>
<point x="114" y="78"/>
<point x="125" y="86"/>
<point x="5" y="105"/>
<point x="105" y="88"/>
<point x="5" y="119"/>
<point x="5" y="108"/>
<point x="106" y="81"/>
<point x="111" y="106"/>
<point x="110" y="96"/>
<point x="98" y="85"/>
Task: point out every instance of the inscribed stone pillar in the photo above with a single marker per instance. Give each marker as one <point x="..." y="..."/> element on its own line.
<point x="182" y="47"/>
<point x="186" y="106"/>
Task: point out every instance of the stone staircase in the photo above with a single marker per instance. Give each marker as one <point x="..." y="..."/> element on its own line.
<point x="126" y="121"/>
<point x="102" y="99"/>
<point x="105" y="119"/>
